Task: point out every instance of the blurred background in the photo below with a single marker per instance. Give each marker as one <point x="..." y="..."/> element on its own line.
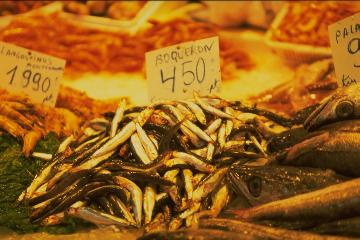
<point x="275" y="54"/>
<point x="104" y="42"/>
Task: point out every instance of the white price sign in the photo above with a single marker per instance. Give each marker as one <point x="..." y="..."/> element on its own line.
<point x="26" y="71"/>
<point x="345" y="47"/>
<point x="177" y="71"/>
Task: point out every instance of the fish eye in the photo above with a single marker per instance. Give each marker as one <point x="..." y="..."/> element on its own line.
<point x="344" y="109"/>
<point x="254" y="186"/>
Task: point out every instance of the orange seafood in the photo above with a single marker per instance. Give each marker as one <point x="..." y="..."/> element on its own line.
<point x="30" y="122"/>
<point x="307" y="22"/>
<point x="118" y="52"/>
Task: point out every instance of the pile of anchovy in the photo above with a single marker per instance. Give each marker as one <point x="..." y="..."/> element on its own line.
<point x="161" y="166"/>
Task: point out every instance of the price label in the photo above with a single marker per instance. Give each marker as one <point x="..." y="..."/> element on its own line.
<point x="177" y="71"/>
<point x="26" y="71"/>
<point x="345" y="47"/>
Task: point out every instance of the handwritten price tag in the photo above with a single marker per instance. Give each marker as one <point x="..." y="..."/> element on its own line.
<point x="345" y="46"/>
<point x="177" y="71"/>
<point x="35" y="74"/>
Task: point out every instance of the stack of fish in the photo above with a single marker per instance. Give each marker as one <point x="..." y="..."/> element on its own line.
<point x="310" y="189"/>
<point x="160" y="165"/>
<point x="179" y="164"/>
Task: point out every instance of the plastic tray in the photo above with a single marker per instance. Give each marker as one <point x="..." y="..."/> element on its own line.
<point x="113" y="25"/>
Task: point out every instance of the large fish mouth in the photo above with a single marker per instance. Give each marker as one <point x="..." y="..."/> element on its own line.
<point x="239" y="187"/>
<point x="316" y="119"/>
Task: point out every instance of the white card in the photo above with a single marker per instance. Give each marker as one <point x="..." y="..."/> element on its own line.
<point x="26" y="71"/>
<point x="345" y="46"/>
<point x="177" y="71"/>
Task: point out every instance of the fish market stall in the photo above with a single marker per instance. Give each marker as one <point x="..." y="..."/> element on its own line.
<point x="270" y="154"/>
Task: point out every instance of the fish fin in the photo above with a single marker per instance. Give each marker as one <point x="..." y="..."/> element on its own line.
<point x="164" y="144"/>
